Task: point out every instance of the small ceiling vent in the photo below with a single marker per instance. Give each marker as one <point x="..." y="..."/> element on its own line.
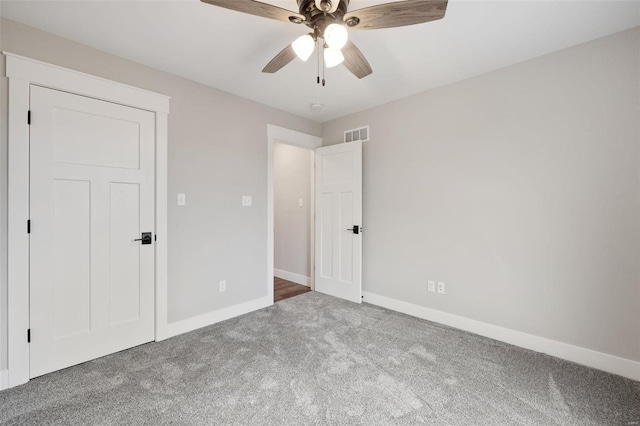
<point x="362" y="134"/>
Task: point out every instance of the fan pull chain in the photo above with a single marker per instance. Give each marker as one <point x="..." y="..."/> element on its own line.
<point x="323" y="68"/>
<point x="318" y="49"/>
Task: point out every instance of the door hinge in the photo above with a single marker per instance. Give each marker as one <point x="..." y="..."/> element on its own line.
<point x="29" y="335"/>
<point x="28" y="226"/>
<point x="29" y="117"/>
<point x="155" y="237"/>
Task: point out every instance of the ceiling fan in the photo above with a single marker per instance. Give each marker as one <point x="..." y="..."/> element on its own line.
<point x="329" y="20"/>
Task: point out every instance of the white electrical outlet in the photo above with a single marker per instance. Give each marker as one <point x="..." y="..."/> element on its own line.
<point x="223" y="286"/>
<point x="441" y="287"/>
<point x="431" y="286"/>
<point x="247" y="201"/>
<point x="182" y="200"/>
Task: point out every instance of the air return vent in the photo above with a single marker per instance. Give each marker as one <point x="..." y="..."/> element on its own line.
<point x="361" y="134"/>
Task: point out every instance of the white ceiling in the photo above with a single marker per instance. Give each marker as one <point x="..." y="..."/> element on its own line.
<point x="227" y="49"/>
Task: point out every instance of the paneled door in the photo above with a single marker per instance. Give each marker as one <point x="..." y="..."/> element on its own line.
<point x="338" y="251"/>
<point x="91" y="198"/>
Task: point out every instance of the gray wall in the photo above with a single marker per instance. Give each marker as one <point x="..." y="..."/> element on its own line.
<point x="520" y="190"/>
<point x="292" y="230"/>
<point x="217" y="153"/>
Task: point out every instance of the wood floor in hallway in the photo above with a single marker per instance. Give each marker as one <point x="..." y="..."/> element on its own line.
<point x="283" y="289"/>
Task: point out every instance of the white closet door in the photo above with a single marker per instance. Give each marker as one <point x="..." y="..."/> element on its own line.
<point x="91" y="197"/>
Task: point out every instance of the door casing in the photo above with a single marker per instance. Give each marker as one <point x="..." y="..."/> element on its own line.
<point x="22" y="73"/>
<point x="301" y="140"/>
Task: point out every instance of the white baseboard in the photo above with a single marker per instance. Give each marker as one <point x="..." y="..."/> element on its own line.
<point x="601" y="361"/>
<point x="4" y="379"/>
<point x="190" y="324"/>
<point x="290" y="276"/>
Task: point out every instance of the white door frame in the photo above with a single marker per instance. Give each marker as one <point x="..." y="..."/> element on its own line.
<point x="22" y="73"/>
<point x="302" y="140"/>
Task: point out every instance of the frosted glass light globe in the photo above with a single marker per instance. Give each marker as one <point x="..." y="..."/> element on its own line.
<point x="304" y="47"/>
<point x="333" y="57"/>
<point x="336" y="36"/>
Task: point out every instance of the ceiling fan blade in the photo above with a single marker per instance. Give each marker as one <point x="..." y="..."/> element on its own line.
<point x="259" y="9"/>
<point x="355" y="61"/>
<point x="283" y="58"/>
<point x="398" y="14"/>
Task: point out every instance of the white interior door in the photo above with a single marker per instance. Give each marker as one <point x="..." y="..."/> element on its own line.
<point x="338" y="267"/>
<point x="91" y="196"/>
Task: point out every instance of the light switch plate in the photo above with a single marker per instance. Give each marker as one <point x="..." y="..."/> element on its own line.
<point x="246" y="201"/>
<point x="431" y="286"/>
<point x="300" y="202"/>
<point x="182" y="200"/>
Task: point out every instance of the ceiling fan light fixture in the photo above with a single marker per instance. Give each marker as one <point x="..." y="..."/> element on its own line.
<point x="336" y="36"/>
<point x="333" y="57"/>
<point x="329" y="20"/>
<point x="304" y="47"/>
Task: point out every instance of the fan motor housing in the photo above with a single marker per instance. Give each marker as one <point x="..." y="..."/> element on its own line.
<point x="318" y="19"/>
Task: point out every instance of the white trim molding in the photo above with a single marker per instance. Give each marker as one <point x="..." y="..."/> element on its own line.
<point x="598" y="360"/>
<point x="17" y="237"/>
<point x="210" y="318"/>
<point x="292" y="137"/>
<point x="72" y="81"/>
<point x="302" y="140"/>
<point x="4" y="379"/>
<point x="294" y="278"/>
<point x="162" y="226"/>
<point x="22" y="73"/>
<point x="312" y="218"/>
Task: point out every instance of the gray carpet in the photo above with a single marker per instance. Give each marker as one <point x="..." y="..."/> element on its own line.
<point x="314" y="359"/>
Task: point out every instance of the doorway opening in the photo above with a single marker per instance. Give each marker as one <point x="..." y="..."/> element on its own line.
<point x="293" y="174"/>
<point x="294" y="274"/>
<point x="335" y="210"/>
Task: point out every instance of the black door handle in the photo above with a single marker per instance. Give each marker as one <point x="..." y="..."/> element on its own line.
<point x="146" y="238"/>
<point x="355" y="229"/>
